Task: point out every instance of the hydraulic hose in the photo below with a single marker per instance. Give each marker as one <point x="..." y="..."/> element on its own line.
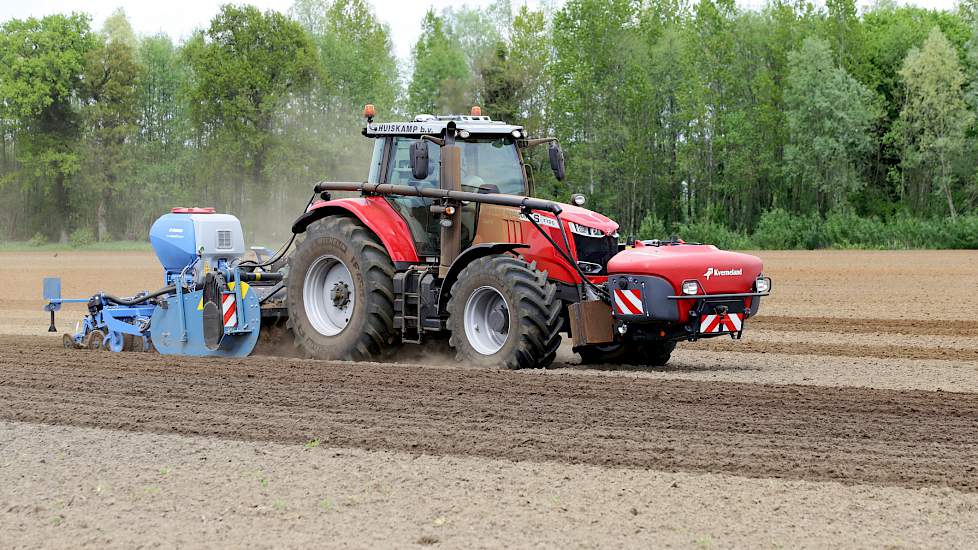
<point x="138" y="299"/>
<point x="566" y="255"/>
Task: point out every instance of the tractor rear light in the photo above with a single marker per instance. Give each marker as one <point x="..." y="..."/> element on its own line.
<point x="691" y="287"/>
<point x="762" y="284"/>
<point x="449" y="210"/>
<point x="516" y="134"/>
<point x="464" y="134"/>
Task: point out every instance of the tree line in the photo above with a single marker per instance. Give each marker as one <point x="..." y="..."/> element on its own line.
<point x="798" y="124"/>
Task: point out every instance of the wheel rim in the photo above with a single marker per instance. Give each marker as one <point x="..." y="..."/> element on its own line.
<point x="328" y="295"/>
<point x="486" y="320"/>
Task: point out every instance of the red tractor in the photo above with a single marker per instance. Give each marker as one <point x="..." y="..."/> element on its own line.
<point x="446" y="241"/>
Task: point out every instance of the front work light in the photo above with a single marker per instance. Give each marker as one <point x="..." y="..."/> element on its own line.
<point x="762" y="284"/>
<point x="691" y="287"/>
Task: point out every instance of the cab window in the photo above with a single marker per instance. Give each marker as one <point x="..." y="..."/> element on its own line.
<point x="400" y="165"/>
<point x="492" y="166"/>
<point x="416" y="211"/>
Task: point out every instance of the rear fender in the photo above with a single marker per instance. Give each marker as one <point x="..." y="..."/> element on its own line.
<point x="373" y="212"/>
<point x="465" y="258"/>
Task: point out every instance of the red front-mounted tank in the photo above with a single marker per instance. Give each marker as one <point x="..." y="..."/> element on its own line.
<point x="717" y="271"/>
<point x="646" y="283"/>
<point x="192" y="210"/>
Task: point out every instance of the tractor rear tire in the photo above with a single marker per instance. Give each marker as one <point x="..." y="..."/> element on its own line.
<point x="503" y="312"/>
<point x="331" y="320"/>
<point x="651" y="354"/>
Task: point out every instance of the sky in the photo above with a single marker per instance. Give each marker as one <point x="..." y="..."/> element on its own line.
<point x="179" y="18"/>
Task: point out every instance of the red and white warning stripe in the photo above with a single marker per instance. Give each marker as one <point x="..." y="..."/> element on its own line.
<point x="230" y="311"/>
<point x="628" y="301"/>
<point x="730" y="322"/>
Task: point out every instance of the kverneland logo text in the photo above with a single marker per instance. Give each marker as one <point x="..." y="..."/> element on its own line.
<point x="712" y="271"/>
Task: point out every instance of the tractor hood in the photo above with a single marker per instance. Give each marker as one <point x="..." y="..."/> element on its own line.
<point x="717" y="271"/>
<point x="587" y="218"/>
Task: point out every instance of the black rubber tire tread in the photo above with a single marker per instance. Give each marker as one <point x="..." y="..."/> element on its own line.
<point x="370" y="334"/>
<point x="653" y="354"/>
<point x="534" y="309"/>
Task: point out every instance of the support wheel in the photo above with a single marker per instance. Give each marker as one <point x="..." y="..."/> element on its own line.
<point x="651" y="354"/>
<point x="96" y="340"/>
<point x="503" y="312"/>
<point x="341" y="292"/>
<point x="69" y="342"/>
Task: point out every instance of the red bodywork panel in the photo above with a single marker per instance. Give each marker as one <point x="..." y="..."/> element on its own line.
<point x="541" y="251"/>
<point x="377" y="214"/>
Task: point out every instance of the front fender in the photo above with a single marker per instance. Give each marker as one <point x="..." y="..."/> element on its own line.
<point x="465" y="258"/>
<point x="373" y="212"/>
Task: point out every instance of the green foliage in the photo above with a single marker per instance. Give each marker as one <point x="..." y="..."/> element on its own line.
<point x="779" y="229"/>
<point x="42" y="63"/>
<point x="712" y="233"/>
<point x="797" y="125"/>
<point x="441" y="72"/>
<point x="37" y="240"/>
<point x="83" y="236"/>
<point x="244" y="68"/>
<point x="356" y="63"/>
<point x="829" y="117"/>
<point x="652" y="228"/>
<point x="934" y="120"/>
<point x="110" y="116"/>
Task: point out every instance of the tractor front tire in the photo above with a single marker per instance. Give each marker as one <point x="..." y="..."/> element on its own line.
<point x="503" y="312"/>
<point x="341" y="292"/>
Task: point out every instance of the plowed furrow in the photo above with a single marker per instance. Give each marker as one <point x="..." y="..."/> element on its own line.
<point x="842" y="350"/>
<point x="843" y="325"/>
<point x="852" y="435"/>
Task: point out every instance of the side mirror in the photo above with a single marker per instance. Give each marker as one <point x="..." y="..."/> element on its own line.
<point x="557" y="161"/>
<point x="419" y="160"/>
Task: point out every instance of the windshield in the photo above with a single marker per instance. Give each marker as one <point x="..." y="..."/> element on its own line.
<point x="491" y="166"/>
<point x="488" y="165"/>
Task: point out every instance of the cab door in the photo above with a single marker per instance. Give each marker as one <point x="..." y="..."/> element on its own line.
<point x="416" y="211"/>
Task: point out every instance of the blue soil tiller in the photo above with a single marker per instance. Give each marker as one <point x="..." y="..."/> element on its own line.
<point x="213" y="302"/>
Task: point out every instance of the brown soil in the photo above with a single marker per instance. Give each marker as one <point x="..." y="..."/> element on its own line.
<point x="852" y="435"/>
<point x="847" y="414"/>
<point x="838" y="325"/>
<point x="842" y="350"/>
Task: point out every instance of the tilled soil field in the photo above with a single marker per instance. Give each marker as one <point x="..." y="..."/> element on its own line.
<point x="851" y="435"/>
<point x="856" y="388"/>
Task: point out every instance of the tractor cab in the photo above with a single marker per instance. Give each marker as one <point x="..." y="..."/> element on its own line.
<point x="491" y="162"/>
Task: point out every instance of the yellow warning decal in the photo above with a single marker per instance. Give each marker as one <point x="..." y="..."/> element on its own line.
<point x="244" y="288"/>
<point x="244" y="292"/>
